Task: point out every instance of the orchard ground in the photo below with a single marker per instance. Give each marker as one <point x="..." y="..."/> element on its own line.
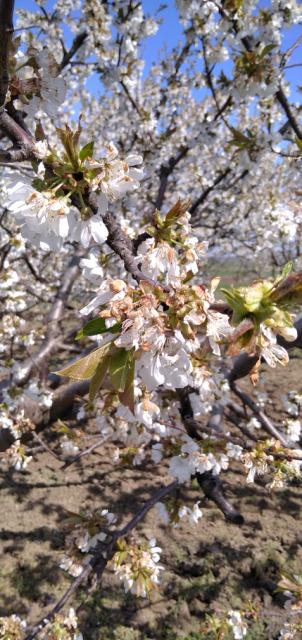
<point x="212" y="568"/>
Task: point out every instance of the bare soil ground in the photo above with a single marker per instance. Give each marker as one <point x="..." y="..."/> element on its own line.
<point x="214" y="567"/>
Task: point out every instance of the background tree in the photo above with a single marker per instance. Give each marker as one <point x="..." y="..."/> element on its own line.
<point x="113" y="200"/>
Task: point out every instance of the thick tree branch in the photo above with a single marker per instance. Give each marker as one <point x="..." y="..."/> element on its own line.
<point x="242" y="366"/>
<point x="17" y="115"/>
<point x="18" y="136"/>
<point x="63" y="399"/>
<point x="123" y="247"/>
<point x="15" y="155"/>
<point x="6" y="33"/>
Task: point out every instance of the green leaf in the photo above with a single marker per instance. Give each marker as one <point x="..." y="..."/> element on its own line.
<point x="86" y="151"/>
<point x="267" y="49"/>
<point x="85" y="368"/>
<point x="298" y="142"/>
<point x="38" y="184"/>
<point x="92" y="328"/>
<point x="286" y="270"/>
<point x="96" y="327"/>
<point x="127" y="396"/>
<point x="119" y="367"/>
<point x="98" y="377"/>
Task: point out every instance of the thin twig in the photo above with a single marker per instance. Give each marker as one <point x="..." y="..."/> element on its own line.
<point x="76" y="44"/>
<point x="60" y="604"/>
<point x="45" y="446"/>
<point x="99" y="562"/>
<point x="265" y="422"/>
<point x="85" y="453"/>
<point x="209" y="483"/>
<point x="53" y="335"/>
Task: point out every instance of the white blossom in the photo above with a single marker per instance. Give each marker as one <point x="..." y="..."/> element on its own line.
<point x="239" y="627"/>
<point x="193" y="515"/>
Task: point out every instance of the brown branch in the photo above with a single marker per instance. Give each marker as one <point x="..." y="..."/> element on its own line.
<point x="123" y="247"/>
<point x="233" y="417"/>
<point x="53" y="334"/>
<point x="63" y="399"/>
<point x="61" y="603"/>
<point x="17" y="115"/>
<point x="85" y="453"/>
<point x="211" y="86"/>
<point x="265" y="422"/>
<point x="32" y="269"/>
<point x="160" y="494"/>
<point x="282" y="99"/>
<point x="164" y="173"/>
<point x="279" y="95"/>
<point x="4" y="252"/>
<point x="99" y="560"/>
<point x="12" y="122"/>
<point x="223" y="174"/>
<point x="210" y="484"/>
<point x="45" y="446"/>
<point x="129" y="96"/>
<point x="242" y="366"/>
<point x="15" y="155"/>
<point x="120" y="243"/>
<point x="76" y="44"/>
<point x="6" y="33"/>
<point x="212" y="488"/>
<point x="18" y="136"/>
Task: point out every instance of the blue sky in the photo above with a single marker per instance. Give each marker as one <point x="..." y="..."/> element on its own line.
<point x="169" y="35"/>
<point x="169" y="32"/>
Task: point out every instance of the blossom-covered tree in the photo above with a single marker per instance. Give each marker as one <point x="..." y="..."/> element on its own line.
<point x="112" y="203"/>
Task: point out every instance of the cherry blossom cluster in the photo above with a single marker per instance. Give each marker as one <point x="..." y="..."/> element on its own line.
<point x="83" y="533"/>
<point x="136" y="565"/>
<point x="51" y="209"/>
<point x="62" y="627"/>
